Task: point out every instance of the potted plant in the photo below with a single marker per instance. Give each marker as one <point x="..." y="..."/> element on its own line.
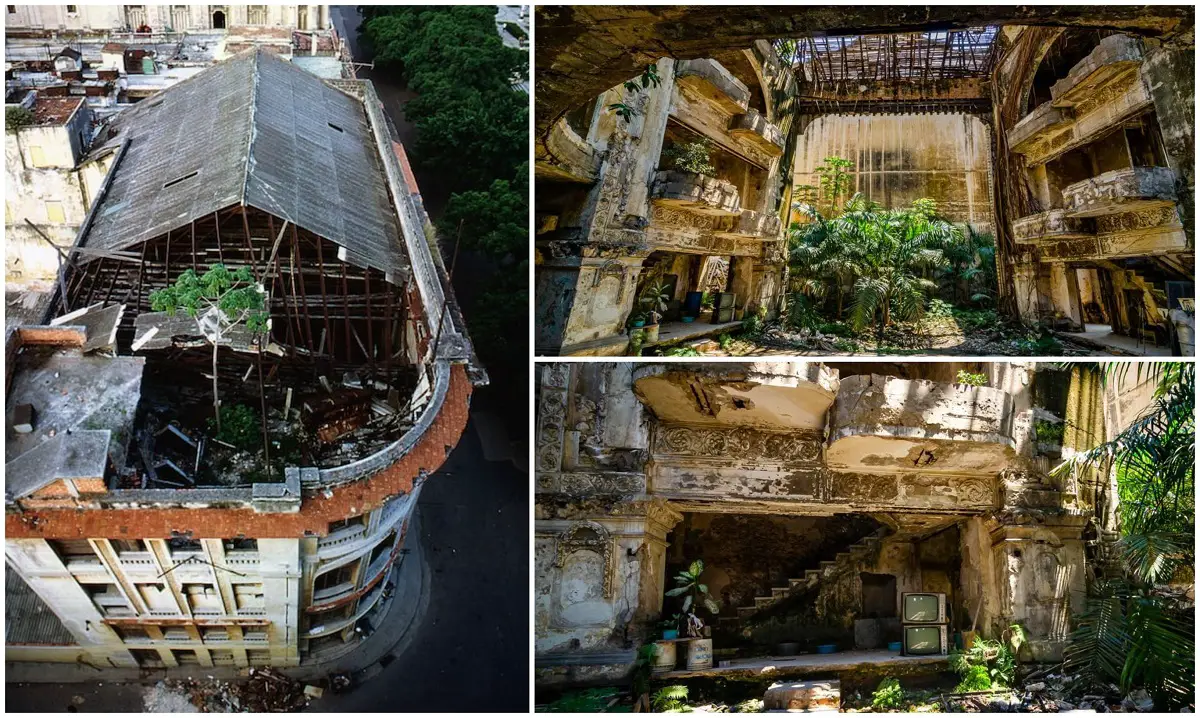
<point x="638" y="320"/>
<point x="695" y="594"/>
<point x="707" y="304"/>
<point x="670" y="626"/>
<point x="654" y="300"/>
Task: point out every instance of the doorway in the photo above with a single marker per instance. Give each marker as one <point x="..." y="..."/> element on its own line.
<point x="218" y="19"/>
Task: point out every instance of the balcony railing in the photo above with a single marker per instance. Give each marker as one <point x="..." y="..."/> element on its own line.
<point x="1051" y="226"/>
<point x="696" y="192"/>
<point x="753" y="128"/>
<point x="887" y="424"/>
<point x="332" y="593"/>
<point x="1120" y="191"/>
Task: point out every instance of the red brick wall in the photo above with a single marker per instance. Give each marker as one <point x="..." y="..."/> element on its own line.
<point x="313" y="519"/>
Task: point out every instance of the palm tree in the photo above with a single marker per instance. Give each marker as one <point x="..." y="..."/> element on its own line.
<point x="1134" y="632"/>
<point x="971" y="273"/>
<point x="901" y="249"/>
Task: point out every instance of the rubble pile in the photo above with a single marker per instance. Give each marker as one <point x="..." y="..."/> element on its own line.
<point x="1056" y="692"/>
<point x="266" y="691"/>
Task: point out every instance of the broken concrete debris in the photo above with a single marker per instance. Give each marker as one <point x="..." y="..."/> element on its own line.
<point x="265" y="691"/>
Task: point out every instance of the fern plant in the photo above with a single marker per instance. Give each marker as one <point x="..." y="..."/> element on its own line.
<point x="670" y="699"/>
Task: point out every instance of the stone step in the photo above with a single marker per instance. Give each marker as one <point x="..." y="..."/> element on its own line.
<point x="845" y="555"/>
<point x="794" y="583"/>
<point x="804" y="697"/>
<point x="812" y="574"/>
<point x="780" y="593"/>
<point x="746" y="611"/>
<point x="827" y="567"/>
<point x="761" y="602"/>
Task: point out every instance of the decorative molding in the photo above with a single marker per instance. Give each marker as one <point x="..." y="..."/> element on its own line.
<point x="737" y="444"/>
<point x="594" y="483"/>
<point x="1138" y="219"/>
<point x="587" y="536"/>
<point x="668" y="217"/>
<point x="552" y="416"/>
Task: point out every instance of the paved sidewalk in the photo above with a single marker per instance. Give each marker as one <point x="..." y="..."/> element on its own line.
<point x="394" y="621"/>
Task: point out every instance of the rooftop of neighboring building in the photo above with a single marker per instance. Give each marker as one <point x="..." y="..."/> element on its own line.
<point x="50" y="111"/>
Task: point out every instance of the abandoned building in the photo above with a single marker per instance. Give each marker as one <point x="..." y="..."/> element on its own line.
<point x="136" y="534"/>
<point x="816" y="495"/>
<point x="156" y="18"/>
<point x="1069" y="136"/>
<point x="52" y="174"/>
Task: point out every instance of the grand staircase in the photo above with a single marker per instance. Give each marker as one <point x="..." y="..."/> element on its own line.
<point x="862" y="552"/>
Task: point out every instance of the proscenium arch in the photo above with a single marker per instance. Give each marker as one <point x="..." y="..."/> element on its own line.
<point x="584" y="50"/>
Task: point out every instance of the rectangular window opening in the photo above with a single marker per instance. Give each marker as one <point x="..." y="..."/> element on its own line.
<point x="180" y="179"/>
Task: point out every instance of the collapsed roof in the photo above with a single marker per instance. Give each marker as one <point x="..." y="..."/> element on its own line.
<point x="252" y="130"/>
<point x="913" y="56"/>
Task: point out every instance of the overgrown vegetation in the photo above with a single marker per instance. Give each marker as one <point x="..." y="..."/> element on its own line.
<point x="240" y="426"/>
<point x="1138" y="629"/>
<point x="888" y="696"/>
<point x="989" y="664"/>
<point x="885" y="263"/>
<point x="591" y="700"/>
<point x="648" y="79"/>
<point x="970" y="379"/>
<point x="471" y="151"/>
<point x="219" y="301"/>
<point x="693" y="157"/>
<point x="17" y="117"/>
<point x="1049" y="432"/>
<point x="670" y="699"/>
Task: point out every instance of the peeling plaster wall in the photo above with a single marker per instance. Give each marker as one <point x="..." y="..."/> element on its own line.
<point x="901" y="158"/>
<point x="1169" y="71"/>
<point x="631" y="446"/>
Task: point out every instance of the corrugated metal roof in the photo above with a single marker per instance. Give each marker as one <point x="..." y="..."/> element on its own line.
<point x="254" y="130"/>
<point x="27" y="618"/>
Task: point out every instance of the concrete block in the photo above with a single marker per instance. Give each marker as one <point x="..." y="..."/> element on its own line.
<point x="22" y="418"/>
<point x="805" y="697"/>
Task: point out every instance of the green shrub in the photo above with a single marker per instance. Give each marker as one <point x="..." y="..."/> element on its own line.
<point x="1049" y="432"/>
<point x="975" y="679"/>
<point x="966" y="377"/>
<point x="240" y="426"/>
<point x="725" y="341"/>
<point x="752" y="326"/>
<point x="681" y="352"/>
<point x="889" y="695"/>
<point x="801" y="312"/>
<point x="17" y="117"/>
<point x="691" y="157"/>
<point x="939" y="308"/>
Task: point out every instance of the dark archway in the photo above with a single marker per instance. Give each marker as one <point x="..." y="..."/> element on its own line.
<point x="218" y="19"/>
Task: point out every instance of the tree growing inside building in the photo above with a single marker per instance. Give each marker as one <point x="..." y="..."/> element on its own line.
<point x="1138" y="629"/>
<point x="219" y="301"/>
<point x="882" y="259"/>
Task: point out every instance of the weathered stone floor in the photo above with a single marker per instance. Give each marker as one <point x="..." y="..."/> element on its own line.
<point x="809" y="664"/>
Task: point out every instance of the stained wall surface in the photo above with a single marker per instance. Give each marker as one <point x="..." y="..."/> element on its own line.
<point x="900" y="158"/>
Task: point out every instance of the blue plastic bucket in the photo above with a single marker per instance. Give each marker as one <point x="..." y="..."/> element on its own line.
<point x="895" y="646"/>
<point x="827" y="648"/>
